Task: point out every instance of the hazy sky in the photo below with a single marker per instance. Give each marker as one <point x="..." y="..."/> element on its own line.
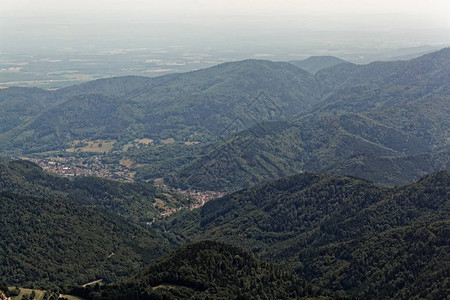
<point x="431" y="7"/>
<point x="101" y="38"/>
<point x="260" y="25"/>
<point x="430" y="13"/>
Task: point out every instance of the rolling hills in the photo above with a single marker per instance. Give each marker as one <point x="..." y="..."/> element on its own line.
<point x="341" y="233"/>
<point x="60" y="231"/>
<point x="355" y="130"/>
<point x="137" y="202"/>
<point x="194" y="106"/>
<point x="208" y="270"/>
<point x="248" y="121"/>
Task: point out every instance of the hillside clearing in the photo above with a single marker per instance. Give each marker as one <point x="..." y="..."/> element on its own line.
<point x="92" y="146"/>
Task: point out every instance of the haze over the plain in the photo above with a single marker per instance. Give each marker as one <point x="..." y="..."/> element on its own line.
<point x="41" y="39"/>
<point x="233" y="18"/>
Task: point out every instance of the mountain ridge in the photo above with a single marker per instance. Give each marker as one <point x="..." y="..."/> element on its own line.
<point x="314" y="64"/>
<point x="213" y="108"/>
<point x="208" y="270"/>
<point x="321" y="226"/>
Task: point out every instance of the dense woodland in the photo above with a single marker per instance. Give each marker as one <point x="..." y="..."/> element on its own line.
<point x="290" y="145"/>
<point x="387" y="122"/>
<point x="338" y="232"/>
<point x="49" y="237"/>
<point x="344" y="234"/>
<point x="208" y="270"/>
<point x="133" y="201"/>
<point x="50" y="241"/>
<point x="196" y="105"/>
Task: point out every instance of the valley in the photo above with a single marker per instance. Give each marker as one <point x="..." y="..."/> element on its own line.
<point x="295" y="223"/>
<point x="82" y="166"/>
<point x="168" y="126"/>
<point x="253" y="179"/>
<point x="215" y="150"/>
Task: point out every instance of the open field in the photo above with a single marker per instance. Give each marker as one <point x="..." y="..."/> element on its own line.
<point x="27" y="292"/>
<point x="127" y="146"/>
<point x="137" y="143"/>
<point x="40" y="295"/>
<point x="168" y="141"/>
<point x="144" y="141"/>
<point x="92" y="146"/>
<point x="126" y="162"/>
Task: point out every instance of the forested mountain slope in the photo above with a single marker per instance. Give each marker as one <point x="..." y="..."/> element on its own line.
<point x="49" y="241"/>
<point x="249" y="121"/>
<point x="204" y="104"/>
<point x="139" y="202"/>
<point x="339" y="232"/>
<point x="349" y="144"/>
<point x="355" y="131"/>
<point x="18" y="105"/>
<point x="208" y="270"/>
<point x="195" y="106"/>
<point x="422" y="74"/>
<point x="60" y="231"/>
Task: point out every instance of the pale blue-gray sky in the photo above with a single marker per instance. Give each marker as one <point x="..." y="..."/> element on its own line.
<point x="98" y="38"/>
<point x="246" y="24"/>
<point x="425" y="13"/>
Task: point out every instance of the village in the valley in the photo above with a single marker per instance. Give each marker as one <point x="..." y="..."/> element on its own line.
<point x="93" y="166"/>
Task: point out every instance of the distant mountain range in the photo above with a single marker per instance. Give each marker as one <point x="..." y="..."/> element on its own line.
<point x="338" y="179"/>
<point x="194" y="106"/>
<point x="370" y="121"/>
<point x="375" y="121"/>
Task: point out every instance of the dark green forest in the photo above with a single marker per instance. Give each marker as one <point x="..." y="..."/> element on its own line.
<point x="342" y="233"/>
<point x="337" y="176"/>
<point x="374" y="122"/>
<point x="60" y="231"/>
<point x="132" y="201"/>
<point x="208" y="270"/>
<point x="196" y="105"/>
<point x="51" y="241"/>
